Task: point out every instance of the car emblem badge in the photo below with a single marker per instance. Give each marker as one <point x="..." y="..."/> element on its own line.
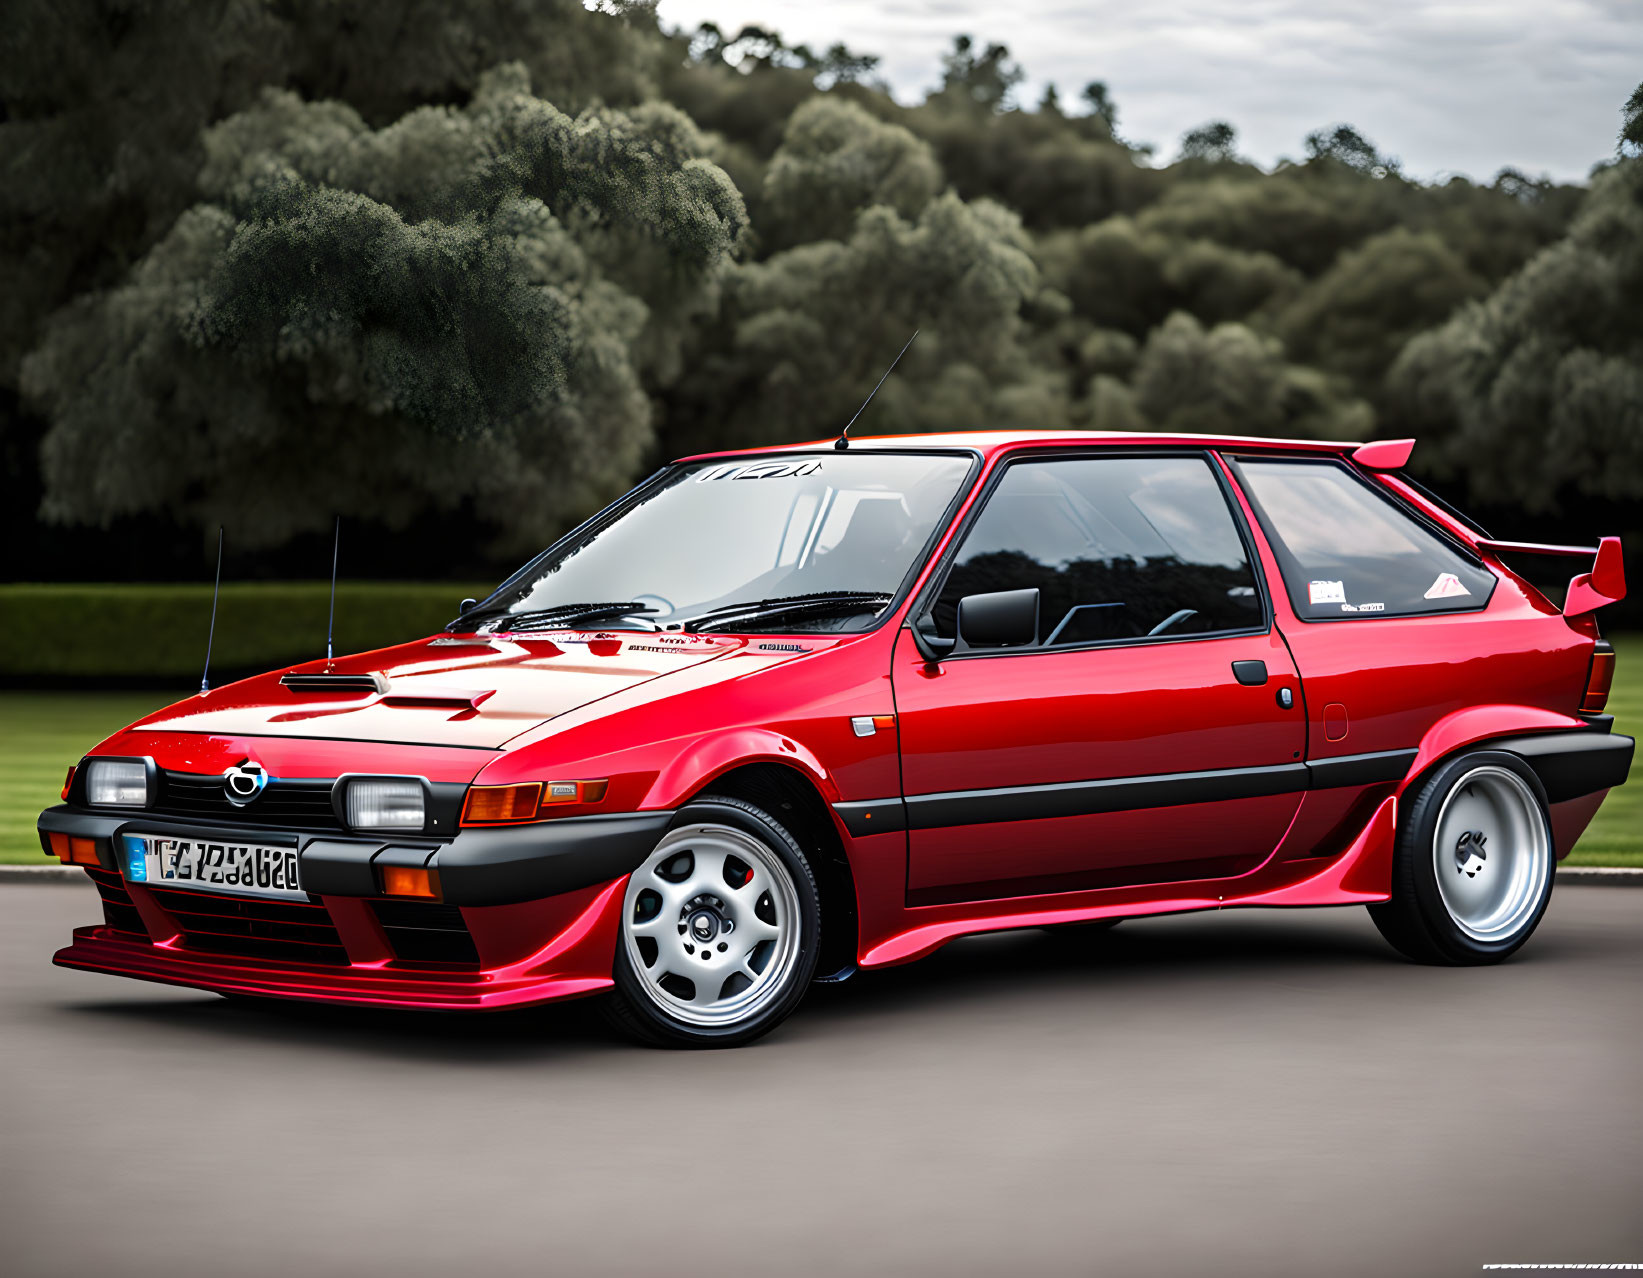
<point x="244" y="782"/>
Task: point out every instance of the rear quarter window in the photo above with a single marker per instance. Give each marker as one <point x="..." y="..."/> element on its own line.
<point x="1347" y="551"/>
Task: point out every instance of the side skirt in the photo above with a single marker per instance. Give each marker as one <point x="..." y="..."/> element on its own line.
<point x="1359" y="875"/>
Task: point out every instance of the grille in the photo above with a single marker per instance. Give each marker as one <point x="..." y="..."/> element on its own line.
<point x="427" y="934"/>
<point x="290" y="805"/>
<point x="118" y="911"/>
<point x="249" y="927"/>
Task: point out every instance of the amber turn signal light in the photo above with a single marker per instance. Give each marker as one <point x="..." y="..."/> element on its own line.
<point x="499" y="804"/>
<point x="401" y="880"/>
<point x="59" y="847"/>
<point x="83" y="851"/>
<point x="488" y="803"/>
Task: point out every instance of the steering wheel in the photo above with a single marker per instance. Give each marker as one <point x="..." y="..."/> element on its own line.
<point x="1181" y="614"/>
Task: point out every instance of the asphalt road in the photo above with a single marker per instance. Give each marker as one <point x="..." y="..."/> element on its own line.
<point x="1249" y="1093"/>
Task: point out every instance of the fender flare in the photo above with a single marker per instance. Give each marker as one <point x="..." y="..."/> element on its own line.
<point x="1571" y="756"/>
<point x="698" y="764"/>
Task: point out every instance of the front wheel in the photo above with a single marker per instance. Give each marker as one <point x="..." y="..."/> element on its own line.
<point x="721" y="929"/>
<point x="1474" y="863"/>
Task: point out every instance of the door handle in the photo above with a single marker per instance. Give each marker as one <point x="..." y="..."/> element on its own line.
<point x="1251" y="674"/>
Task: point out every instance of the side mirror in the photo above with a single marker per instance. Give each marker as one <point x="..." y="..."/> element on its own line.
<point x="1004" y="619"/>
<point x="465" y="605"/>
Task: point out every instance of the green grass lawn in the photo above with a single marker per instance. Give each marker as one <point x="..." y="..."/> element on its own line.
<point x="41" y="733"/>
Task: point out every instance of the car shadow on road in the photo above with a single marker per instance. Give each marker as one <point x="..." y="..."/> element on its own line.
<point x="1155" y="952"/>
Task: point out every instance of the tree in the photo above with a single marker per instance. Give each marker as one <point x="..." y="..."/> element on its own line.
<point x="807" y="333"/>
<point x="1343" y="145"/>
<point x="1229" y="380"/>
<point x="1215" y="142"/>
<point x="1101" y="106"/>
<point x="1631" y="123"/>
<point x="986" y="80"/>
<point x="394" y="320"/>
<point x="840" y="66"/>
<point x="1535" y="394"/>
<point x="1356" y="317"/>
<point x="836" y="160"/>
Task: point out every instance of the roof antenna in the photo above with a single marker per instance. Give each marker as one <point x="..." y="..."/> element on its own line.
<point x="843" y="441"/>
<point x="331" y="621"/>
<point x="205" y="675"/>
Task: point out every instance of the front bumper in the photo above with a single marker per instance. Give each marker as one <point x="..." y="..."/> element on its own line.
<point x="540" y="903"/>
<point x="535" y="952"/>
<point x="484" y="865"/>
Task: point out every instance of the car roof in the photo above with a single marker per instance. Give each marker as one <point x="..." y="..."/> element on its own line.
<point x="989" y="442"/>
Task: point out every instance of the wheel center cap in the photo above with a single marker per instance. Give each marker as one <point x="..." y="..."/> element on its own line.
<point x="704" y="926"/>
<point x="1470" y="854"/>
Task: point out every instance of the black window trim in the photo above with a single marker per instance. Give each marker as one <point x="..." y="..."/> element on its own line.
<point x="937" y="580"/>
<point x="602" y="519"/>
<point x="1234" y="463"/>
<point x="1448" y="508"/>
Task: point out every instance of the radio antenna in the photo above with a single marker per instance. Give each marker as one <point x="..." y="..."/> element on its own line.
<point x="205" y="675"/>
<point x="843" y="441"/>
<point x="331" y="621"/>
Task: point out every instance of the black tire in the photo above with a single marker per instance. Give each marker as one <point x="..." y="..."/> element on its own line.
<point x="1417" y="921"/>
<point x="633" y="1010"/>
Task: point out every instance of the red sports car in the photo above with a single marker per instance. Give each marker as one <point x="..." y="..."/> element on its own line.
<point x="776" y="716"/>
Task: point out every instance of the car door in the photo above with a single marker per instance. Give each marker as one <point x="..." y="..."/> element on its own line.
<point x="1151" y="732"/>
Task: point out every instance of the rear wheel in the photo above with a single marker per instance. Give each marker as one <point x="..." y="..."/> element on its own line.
<point x="1474" y="863"/>
<point x="721" y="929"/>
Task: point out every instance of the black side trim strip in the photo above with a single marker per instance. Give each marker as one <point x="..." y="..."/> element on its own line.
<point x="1571" y="765"/>
<point x="1083" y="798"/>
<point x="872" y="816"/>
<point x="1360" y="769"/>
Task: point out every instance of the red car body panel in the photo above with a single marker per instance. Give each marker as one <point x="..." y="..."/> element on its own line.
<point x="663" y="716"/>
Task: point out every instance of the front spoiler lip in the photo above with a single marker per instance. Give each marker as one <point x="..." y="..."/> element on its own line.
<point x="481" y="865"/>
<point x="97" y="949"/>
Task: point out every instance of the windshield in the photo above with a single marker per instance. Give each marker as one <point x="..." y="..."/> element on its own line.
<point x="825" y="541"/>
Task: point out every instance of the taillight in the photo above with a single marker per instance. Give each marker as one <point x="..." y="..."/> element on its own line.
<point x="1599" y="679"/>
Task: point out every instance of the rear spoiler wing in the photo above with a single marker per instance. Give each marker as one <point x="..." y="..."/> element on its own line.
<point x="1604" y="584"/>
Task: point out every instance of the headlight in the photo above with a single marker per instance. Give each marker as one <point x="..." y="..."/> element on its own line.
<point x="117" y="783"/>
<point x="386" y="804"/>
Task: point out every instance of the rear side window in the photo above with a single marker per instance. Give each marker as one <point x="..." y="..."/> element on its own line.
<point x="1347" y="551"/>
<point x="1118" y="547"/>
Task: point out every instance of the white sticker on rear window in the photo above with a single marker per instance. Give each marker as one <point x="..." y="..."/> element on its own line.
<point x="1321" y="592"/>
<point x="1447" y="586"/>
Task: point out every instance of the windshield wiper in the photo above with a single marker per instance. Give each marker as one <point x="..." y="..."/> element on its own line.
<point x="819" y="603"/>
<point x="567" y="615"/>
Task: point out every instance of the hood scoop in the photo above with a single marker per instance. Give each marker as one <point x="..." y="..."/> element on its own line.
<point x="375" y="684"/>
<point x="439" y="698"/>
<point x="367" y="684"/>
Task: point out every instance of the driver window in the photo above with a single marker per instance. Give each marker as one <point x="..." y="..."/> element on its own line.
<point x="1119" y="548"/>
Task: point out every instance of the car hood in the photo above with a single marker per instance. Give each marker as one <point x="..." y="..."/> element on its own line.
<point x="457" y="690"/>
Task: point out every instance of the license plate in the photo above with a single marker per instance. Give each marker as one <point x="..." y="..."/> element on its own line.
<point x="211" y="865"/>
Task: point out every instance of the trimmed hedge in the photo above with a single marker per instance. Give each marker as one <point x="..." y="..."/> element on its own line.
<point x="75" y="631"/>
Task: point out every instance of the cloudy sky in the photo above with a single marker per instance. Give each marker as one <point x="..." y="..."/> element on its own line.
<point x="1467" y="86"/>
